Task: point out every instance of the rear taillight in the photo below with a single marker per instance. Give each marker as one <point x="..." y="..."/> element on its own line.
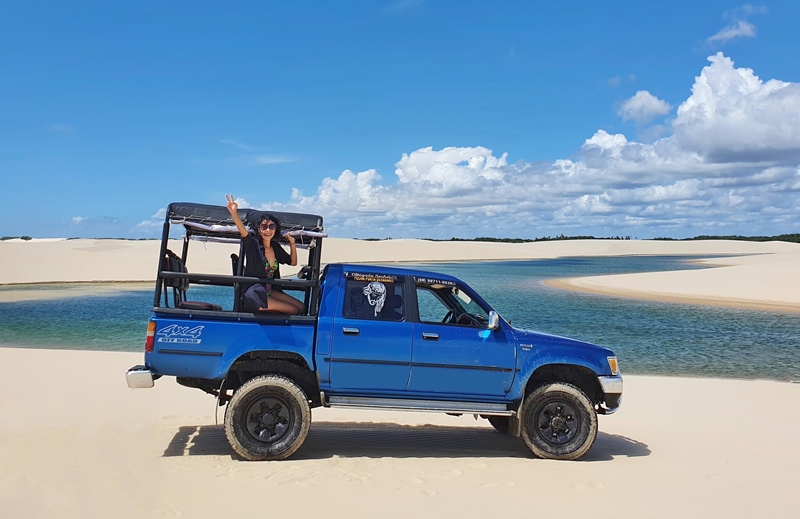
<point x="151" y="336"/>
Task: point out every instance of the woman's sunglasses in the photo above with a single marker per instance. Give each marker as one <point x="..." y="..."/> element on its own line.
<point x="267" y="226"/>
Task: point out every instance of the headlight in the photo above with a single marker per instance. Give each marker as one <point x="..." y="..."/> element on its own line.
<point x="612" y="363"/>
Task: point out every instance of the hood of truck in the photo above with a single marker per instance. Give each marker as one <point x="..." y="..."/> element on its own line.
<point x="530" y="340"/>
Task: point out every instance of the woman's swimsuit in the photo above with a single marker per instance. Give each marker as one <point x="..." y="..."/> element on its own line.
<point x="269" y="272"/>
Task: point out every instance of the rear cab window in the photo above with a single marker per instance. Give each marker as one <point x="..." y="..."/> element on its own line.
<point x="374" y="297"/>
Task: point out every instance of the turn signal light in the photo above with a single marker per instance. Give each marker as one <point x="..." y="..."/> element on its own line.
<point x="612" y="363"/>
<point x="150" y="339"/>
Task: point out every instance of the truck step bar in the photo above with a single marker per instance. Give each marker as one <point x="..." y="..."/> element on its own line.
<point x="431" y="406"/>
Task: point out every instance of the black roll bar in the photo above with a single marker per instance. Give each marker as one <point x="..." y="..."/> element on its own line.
<point x="227" y="280"/>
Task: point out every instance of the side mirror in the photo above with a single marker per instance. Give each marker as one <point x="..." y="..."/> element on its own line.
<point x="494" y="320"/>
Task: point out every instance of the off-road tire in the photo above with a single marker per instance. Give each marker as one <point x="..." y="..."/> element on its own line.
<point x="558" y="422"/>
<point x="267" y="419"/>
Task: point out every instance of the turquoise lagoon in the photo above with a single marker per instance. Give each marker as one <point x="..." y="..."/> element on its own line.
<point x="650" y="337"/>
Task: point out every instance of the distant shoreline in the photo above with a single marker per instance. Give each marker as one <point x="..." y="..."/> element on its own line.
<point x="574" y="284"/>
<point x="750" y="274"/>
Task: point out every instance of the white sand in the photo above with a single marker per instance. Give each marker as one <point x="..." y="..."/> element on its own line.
<point x="75" y="442"/>
<point x="768" y="281"/>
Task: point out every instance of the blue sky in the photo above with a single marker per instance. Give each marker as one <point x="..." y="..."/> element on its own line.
<point x="410" y="118"/>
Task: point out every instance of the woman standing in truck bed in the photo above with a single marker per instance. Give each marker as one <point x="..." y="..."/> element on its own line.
<point x="263" y="251"/>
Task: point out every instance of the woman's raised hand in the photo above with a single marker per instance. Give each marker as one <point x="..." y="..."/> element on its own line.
<point x="233" y="207"/>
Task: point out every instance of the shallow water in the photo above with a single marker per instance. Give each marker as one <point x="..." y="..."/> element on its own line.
<point x="649" y="337"/>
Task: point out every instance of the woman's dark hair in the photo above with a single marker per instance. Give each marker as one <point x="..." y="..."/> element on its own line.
<point x="263" y="217"/>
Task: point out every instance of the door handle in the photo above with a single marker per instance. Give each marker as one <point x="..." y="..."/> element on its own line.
<point x="350" y="331"/>
<point x="428" y="336"/>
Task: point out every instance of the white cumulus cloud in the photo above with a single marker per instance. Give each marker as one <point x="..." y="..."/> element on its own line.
<point x="729" y="163"/>
<point x="643" y="107"/>
<point x="733" y="113"/>
<point x="156" y="220"/>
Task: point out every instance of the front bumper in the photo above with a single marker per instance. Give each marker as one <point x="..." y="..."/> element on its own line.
<point x="140" y="377"/>
<point x="612" y="391"/>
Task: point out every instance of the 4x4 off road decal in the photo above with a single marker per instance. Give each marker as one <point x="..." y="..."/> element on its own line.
<point x="180" y="334"/>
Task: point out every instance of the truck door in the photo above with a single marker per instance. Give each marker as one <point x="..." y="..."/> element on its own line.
<point x="454" y="352"/>
<point x="371" y="342"/>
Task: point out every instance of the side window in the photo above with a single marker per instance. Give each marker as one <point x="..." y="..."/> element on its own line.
<point x="373" y="296"/>
<point x="443" y="301"/>
<point x="473" y="313"/>
<point x="431" y="308"/>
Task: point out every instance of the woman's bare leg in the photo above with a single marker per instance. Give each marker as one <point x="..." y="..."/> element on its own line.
<point x="286" y="298"/>
<point x="285" y="304"/>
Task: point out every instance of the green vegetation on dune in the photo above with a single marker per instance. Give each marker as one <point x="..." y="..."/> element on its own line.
<point x="794" y="238"/>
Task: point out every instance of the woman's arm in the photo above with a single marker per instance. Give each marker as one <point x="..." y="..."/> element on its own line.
<point x="233" y="208"/>
<point x="292" y="249"/>
<point x="283" y="257"/>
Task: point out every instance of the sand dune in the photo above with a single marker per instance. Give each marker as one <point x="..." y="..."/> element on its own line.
<point x="766" y="281"/>
<point x="76" y="442"/>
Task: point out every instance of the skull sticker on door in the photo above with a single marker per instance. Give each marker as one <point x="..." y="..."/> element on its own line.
<point x="376" y="295"/>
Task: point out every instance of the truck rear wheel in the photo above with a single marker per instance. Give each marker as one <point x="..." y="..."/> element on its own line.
<point x="558" y="422"/>
<point x="267" y="419"/>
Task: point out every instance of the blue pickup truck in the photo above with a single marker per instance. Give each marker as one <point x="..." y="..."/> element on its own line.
<point x="372" y="337"/>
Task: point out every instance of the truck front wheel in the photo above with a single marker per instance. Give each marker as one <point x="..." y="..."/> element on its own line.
<point x="558" y="422"/>
<point x="267" y="419"/>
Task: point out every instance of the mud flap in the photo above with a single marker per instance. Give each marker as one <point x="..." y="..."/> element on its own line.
<point x="514" y="424"/>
